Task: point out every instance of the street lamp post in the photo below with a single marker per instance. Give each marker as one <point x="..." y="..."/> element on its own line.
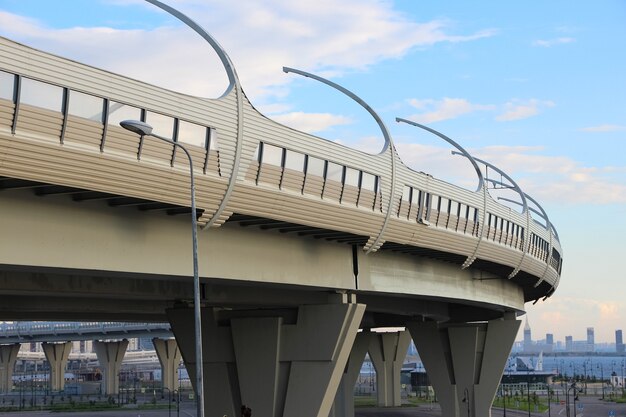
<point x="528" y="390"/>
<point x="622" y="382"/>
<point x="169" y="400"/>
<point x="601" y="379"/>
<point x="466" y="400"/>
<point x="585" y="371"/>
<point x="549" y="411"/>
<point x="21" y="379"/>
<point x="145" y="129"/>
<point x="567" y="402"/>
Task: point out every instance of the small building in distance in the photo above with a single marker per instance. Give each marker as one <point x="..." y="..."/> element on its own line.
<point x="522" y="371"/>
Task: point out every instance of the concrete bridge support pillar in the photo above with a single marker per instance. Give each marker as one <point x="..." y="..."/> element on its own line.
<point x="280" y="364"/>
<point x="169" y="356"/>
<point x="110" y="356"/>
<point x="57" y="355"/>
<point x="465" y="362"/>
<point x="344" y="401"/>
<point x="8" y="357"/>
<point x="387" y="352"/>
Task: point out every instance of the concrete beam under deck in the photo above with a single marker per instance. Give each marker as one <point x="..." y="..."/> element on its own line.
<point x="90" y="260"/>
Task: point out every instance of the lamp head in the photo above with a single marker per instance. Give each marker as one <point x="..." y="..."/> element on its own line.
<point x="136" y="126"/>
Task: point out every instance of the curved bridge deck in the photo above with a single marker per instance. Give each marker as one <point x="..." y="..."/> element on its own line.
<point x="60" y="134"/>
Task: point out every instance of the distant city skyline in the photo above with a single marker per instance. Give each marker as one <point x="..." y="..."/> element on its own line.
<point x="570" y="342"/>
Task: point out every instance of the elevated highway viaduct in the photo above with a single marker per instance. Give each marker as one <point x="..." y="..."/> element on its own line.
<point x="304" y="245"/>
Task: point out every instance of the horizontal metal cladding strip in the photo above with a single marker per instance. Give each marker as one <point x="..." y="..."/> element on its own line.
<point x="443" y="246"/>
<point x="102" y="174"/>
<point x="303" y="214"/>
<point x="165" y="196"/>
<point x="493" y="252"/>
<point x="533" y="266"/>
<point x="454" y="243"/>
<point x="316" y="147"/>
<point x="54" y="133"/>
<point x="539" y="230"/>
<point x="552" y="277"/>
<point x="300" y="217"/>
<point x="443" y="188"/>
<point x="265" y="187"/>
<point x="46" y="67"/>
<point x="79" y="153"/>
<point x="312" y="213"/>
<point x="427" y="240"/>
<point x="297" y="203"/>
<point x="202" y="118"/>
<point x="144" y="172"/>
<point x="101" y="178"/>
<point x="404" y="230"/>
<point x="51" y="132"/>
<point x="461" y="225"/>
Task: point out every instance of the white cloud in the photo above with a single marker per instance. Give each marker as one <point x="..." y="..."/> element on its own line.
<point x="450" y="108"/>
<point x="604" y="128"/>
<point x="567" y="315"/>
<point x="558" y="179"/>
<point x="323" y="36"/>
<point x="311" y="122"/>
<point x="517" y="109"/>
<point x="549" y="179"/>
<point x="444" y="109"/>
<point x="547" y="43"/>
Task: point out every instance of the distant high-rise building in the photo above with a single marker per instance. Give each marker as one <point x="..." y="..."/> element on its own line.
<point x="619" y="342"/>
<point x="528" y="341"/>
<point x="590" y="339"/>
<point x="569" y="344"/>
<point x="549" y="339"/>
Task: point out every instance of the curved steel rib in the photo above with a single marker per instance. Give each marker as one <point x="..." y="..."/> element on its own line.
<point x="505" y="175"/>
<point x="549" y="227"/>
<point x="381" y="124"/>
<point x="524" y="211"/>
<point x="466" y="154"/>
<point x="233" y="82"/>
<point x="233" y="79"/>
<point x="541" y="212"/>
<point x="386" y="135"/>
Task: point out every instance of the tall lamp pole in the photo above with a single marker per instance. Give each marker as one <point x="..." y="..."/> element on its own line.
<point x="466" y="400"/>
<point x="145" y="129"/>
<point x="528" y="390"/>
<point x="622" y="383"/>
<point x="601" y="378"/>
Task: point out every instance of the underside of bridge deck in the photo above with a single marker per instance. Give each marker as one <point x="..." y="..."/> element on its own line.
<point x="69" y="252"/>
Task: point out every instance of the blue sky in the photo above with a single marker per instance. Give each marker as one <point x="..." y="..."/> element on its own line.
<point x="537" y="88"/>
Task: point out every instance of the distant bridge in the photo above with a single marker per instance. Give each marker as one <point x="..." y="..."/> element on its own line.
<point x="24" y="332"/>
